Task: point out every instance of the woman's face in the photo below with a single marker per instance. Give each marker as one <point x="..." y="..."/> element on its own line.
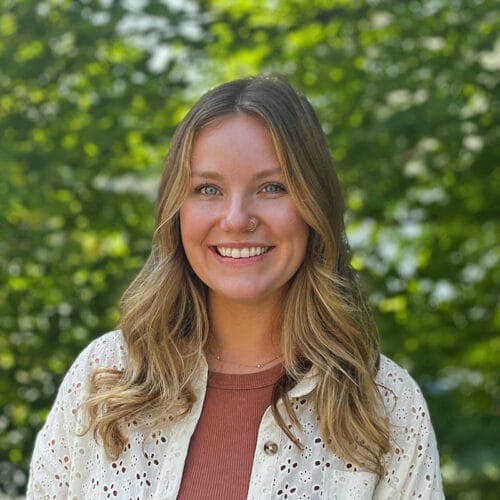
<point x="236" y="176"/>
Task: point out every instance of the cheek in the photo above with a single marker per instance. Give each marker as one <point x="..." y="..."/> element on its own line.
<point x="295" y="226"/>
<point x="301" y="239"/>
<point x="299" y="233"/>
<point x="188" y="226"/>
<point x="195" y="223"/>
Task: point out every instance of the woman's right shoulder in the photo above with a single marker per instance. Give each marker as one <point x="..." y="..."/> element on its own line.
<point x="106" y="351"/>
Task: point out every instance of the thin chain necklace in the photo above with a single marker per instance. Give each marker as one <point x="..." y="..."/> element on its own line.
<point x="219" y="358"/>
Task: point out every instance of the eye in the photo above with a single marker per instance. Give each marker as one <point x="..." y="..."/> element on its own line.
<point x="207" y="190"/>
<point x="273" y="187"/>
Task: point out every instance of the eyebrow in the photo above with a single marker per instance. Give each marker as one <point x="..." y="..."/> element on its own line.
<point x="209" y="174"/>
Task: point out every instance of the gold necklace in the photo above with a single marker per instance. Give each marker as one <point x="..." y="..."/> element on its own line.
<point x="219" y="358"/>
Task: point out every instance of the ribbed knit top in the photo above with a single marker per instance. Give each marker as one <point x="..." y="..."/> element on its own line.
<point x="221" y="451"/>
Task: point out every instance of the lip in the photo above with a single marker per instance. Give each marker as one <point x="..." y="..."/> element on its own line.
<point x="240" y="245"/>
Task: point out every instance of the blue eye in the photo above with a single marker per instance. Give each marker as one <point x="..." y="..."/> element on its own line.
<point x="208" y="190"/>
<point x="273" y="188"/>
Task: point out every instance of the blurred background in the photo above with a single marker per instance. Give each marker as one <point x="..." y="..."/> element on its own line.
<point x="408" y="94"/>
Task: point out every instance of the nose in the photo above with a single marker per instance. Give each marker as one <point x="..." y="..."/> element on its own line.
<point x="236" y="215"/>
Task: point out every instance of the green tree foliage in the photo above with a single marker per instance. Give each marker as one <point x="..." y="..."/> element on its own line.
<point x="408" y="93"/>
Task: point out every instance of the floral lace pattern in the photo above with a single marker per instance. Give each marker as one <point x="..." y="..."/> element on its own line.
<point x="66" y="464"/>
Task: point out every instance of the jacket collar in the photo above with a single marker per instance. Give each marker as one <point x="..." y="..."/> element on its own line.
<point x="306" y="385"/>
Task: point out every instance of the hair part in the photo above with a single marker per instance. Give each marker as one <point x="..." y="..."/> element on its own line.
<point x="325" y="322"/>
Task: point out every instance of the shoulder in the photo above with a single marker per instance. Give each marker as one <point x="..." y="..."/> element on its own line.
<point x="405" y="408"/>
<point x="106" y="351"/>
<point x="395" y="379"/>
<point x="412" y="467"/>
<point x="401" y="395"/>
<point x="56" y="442"/>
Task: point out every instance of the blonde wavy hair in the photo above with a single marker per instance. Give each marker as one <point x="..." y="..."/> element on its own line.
<point x="325" y="323"/>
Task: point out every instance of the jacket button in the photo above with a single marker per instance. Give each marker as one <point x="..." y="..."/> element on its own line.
<point x="270" y="448"/>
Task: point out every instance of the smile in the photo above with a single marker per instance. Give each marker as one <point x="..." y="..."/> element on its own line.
<point x="241" y="253"/>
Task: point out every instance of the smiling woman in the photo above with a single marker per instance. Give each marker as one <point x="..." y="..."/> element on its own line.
<point x="241" y="230"/>
<point x="247" y="364"/>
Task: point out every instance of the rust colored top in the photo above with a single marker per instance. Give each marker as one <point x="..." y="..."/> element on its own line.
<point x="221" y="451"/>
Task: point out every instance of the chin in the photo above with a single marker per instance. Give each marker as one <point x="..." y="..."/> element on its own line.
<point x="246" y="295"/>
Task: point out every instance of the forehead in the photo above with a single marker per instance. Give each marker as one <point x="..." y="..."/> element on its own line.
<point x="238" y="140"/>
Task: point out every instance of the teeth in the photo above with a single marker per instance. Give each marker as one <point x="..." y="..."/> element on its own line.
<point x="241" y="253"/>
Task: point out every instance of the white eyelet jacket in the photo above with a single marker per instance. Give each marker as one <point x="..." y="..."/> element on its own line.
<point x="66" y="464"/>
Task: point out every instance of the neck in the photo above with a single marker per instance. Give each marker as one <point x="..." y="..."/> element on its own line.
<point x="242" y="336"/>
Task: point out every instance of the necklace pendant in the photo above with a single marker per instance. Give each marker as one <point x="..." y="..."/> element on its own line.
<point x="220" y="359"/>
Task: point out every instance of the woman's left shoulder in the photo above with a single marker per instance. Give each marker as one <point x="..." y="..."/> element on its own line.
<point x="394" y="377"/>
<point x="400" y="393"/>
<point x="402" y="397"/>
<point x="412" y="468"/>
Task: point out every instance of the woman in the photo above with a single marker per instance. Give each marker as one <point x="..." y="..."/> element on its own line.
<point x="247" y="364"/>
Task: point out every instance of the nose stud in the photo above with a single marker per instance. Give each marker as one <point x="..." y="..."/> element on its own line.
<point x="252" y="224"/>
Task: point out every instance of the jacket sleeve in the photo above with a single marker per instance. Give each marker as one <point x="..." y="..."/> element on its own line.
<point x="56" y="444"/>
<point x="51" y="460"/>
<point x="412" y="467"/>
